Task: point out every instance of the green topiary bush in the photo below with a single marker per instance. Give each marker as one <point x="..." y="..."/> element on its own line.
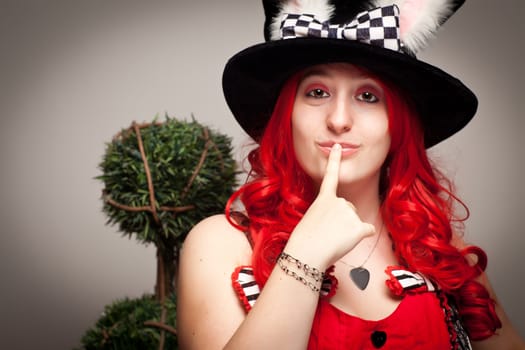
<point x="160" y="179"/>
<point x="192" y="173"/>
<point x="132" y="324"/>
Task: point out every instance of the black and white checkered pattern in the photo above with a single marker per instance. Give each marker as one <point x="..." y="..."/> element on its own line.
<point x="249" y="286"/>
<point x="379" y="26"/>
<point x="410" y="280"/>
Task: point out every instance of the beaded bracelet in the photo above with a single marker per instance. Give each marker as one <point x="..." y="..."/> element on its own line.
<point x="308" y="271"/>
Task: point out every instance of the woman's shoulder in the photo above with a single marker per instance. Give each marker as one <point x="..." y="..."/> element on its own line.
<point x="216" y="227"/>
<point x="216" y="237"/>
<point x="210" y="254"/>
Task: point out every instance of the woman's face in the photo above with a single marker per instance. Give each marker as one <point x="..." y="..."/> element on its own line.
<point x="339" y="103"/>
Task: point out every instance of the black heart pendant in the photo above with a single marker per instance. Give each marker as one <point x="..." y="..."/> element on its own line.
<point x="378" y="339"/>
<point x="360" y="276"/>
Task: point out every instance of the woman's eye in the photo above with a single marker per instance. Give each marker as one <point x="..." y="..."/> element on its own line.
<point x="367" y="97"/>
<point x="317" y="93"/>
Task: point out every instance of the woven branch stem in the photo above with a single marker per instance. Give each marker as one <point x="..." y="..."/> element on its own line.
<point x="148" y="173"/>
<point x="125" y="133"/>
<point x="116" y="204"/>
<point x="161" y="326"/>
<point x="161" y="279"/>
<point x="162" y="294"/>
<point x="200" y="163"/>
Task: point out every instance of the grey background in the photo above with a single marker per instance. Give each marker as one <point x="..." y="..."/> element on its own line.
<point x="73" y="73"/>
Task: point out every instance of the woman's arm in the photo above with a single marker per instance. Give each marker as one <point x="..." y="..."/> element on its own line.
<point x="210" y="315"/>
<point x="208" y="312"/>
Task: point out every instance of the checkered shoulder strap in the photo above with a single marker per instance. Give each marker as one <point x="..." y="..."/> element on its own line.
<point x="402" y="281"/>
<point x="245" y="286"/>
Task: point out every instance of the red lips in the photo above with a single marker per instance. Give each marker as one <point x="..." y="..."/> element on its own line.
<point x="347" y="147"/>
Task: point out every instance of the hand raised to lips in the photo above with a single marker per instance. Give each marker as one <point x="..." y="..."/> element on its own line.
<point x="330" y="228"/>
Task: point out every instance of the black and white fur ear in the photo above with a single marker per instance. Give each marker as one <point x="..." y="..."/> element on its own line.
<point x="322" y="9"/>
<point x="419" y="20"/>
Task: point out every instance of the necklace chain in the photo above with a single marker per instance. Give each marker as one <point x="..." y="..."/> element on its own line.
<point x="360" y="274"/>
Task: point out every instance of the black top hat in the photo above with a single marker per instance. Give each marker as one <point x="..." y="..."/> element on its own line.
<point x="381" y="35"/>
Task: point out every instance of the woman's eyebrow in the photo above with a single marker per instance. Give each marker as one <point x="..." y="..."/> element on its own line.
<point x="314" y="72"/>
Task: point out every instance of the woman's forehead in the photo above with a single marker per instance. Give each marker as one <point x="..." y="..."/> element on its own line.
<point x="335" y="70"/>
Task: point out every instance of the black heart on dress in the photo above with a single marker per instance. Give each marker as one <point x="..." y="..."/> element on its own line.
<point x="378" y="339"/>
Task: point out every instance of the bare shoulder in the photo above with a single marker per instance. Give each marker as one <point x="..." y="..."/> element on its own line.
<point x="208" y="310"/>
<point x="215" y="237"/>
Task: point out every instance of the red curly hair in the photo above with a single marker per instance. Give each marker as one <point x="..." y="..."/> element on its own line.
<point x="417" y="207"/>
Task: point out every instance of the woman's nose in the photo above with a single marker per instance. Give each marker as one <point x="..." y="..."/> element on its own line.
<point x="339" y="119"/>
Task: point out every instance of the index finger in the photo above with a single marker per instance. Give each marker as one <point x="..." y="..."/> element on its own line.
<point x="331" y="175"/>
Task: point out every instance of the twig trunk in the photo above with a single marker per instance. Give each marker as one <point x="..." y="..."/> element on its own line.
<point x="166" y="279"/>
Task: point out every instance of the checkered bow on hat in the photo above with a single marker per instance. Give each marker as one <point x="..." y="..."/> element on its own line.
<point x="379" y="26"/>
<point x="411" y="22"/>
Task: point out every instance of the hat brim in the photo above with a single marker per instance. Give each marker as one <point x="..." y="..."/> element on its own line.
<point x="253" y="78"/>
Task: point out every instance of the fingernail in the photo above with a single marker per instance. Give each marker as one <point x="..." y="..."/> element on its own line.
<point x="336" y="146"/>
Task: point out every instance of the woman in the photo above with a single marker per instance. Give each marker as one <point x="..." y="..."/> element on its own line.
<point x="347" y="237"/>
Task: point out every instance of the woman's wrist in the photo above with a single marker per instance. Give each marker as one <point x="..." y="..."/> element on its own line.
<point x="308" y="253"/>
<point x="304" y="273"/>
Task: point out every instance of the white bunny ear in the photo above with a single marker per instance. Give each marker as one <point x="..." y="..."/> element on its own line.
<point x="322" y="9"/>
<point x="419" y="20"/>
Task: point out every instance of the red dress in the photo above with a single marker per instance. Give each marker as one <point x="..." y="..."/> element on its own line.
<point x="423" y="320"/>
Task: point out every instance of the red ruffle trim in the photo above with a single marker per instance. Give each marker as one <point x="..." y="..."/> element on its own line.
<point x="413" y="284"/>
<point x="393" y="283"/>
<point x="330" y="282"/>
<point x="239" y="290"/>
